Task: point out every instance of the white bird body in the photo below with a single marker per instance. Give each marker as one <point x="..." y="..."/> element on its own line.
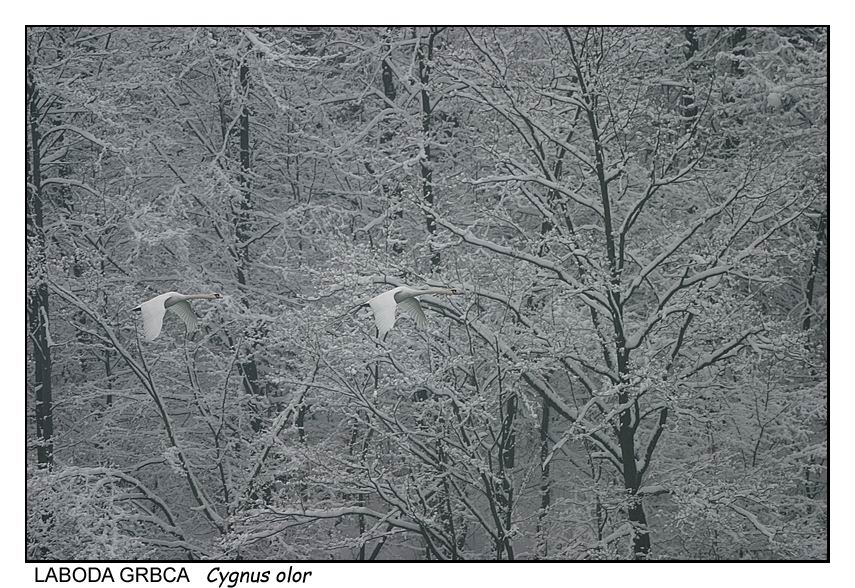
<point x="386" y="305"/>
<point x="153" y="311"/>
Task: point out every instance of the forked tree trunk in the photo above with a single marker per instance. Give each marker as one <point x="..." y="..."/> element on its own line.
<point x="614" y="255"/>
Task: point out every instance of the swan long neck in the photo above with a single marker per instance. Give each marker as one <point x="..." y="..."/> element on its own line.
<point x="176" y="298"/>
<point x="205" y="296"/>
<point x="431" y="290"/>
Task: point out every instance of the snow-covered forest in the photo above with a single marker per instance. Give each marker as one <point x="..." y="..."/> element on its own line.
<point x="634" y="366"/>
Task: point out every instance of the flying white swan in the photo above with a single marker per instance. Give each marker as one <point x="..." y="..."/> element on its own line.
<point x="154" y="309"/>
<point x="385" y="305"/>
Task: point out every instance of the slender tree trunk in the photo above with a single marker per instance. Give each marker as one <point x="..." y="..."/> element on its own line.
<point x="361" y="498"/>
<point x="812" y="486"/>
<point x="300" y="421"/>
<point x="545" y="493"/>
<point x="388" y="82"/>
<point x="688" y="104"/>
<point x="426" y="164"/>
<point x="392" y="192"/>
<point x="809" y="290"/>
<point x="631" y="475"/>
<point x="243" y="222"/>
<point x="243" y="229"/>
<point x="37" y="291"/>
<point x="507" y="442"/>
<point x="736" y="37"/>
<point x="108" y="366"/>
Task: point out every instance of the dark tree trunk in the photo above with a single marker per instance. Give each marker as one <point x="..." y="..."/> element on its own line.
<point x="37" y="290"/>
<point x="243" y="229"/>
<point x="243" y="223"/>
<point x="631" y="481"/>
<point x="388" y="83"/>
<point x="392" y="192"/>
<point x="737" y="68"/>
<point x="361" y="498"/>
<point x="811" y="283"/>
<point x="811" y="485"/>
<point x="507" y="442"/>
<point x="737" y="37"/>
<point x="615" y="256"/>
<point x="509" y="437"/>
<point x="688" y="104"/>
<point x="426" y="164"/>
<point x="545" y="494"/>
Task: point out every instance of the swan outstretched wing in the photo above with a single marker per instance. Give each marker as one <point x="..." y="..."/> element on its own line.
<point x="152" y="314"/>
<point x="185" y="311"/>
<point x="384" y="307"/>
<point x="412" y="307"/>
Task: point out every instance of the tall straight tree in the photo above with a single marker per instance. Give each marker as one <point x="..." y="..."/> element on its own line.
<point x="424" y="55"/>
<point x="38" y="312"/>
<point x="243" y="219"/>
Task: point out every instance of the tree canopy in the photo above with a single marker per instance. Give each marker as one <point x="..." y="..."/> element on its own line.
<point x="637" y="219"/>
